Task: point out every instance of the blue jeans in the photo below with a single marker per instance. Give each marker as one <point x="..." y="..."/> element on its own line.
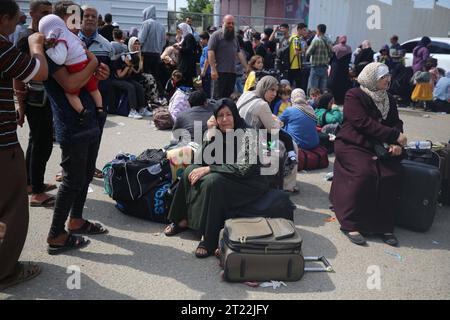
<point x="318" y="78"/>
<point x="239" y="87"/>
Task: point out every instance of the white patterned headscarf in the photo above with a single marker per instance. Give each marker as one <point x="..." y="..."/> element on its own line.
<point x="368" y="79"/>
<point x="185" y="29"/>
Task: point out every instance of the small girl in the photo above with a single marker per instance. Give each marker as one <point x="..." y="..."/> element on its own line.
<point x="424" y="83"/>
<point x="256" y="63"/>
<point x="173" y="83"/>
<point x="283" y="100"/>
<point x="314" y="96"/>
<point x="326" y="112"/>
<point x="65" y="48"/>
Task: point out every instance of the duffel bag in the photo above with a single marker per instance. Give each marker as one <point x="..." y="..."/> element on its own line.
<point x="261" y="249"/>
<point x="313" y="159"/>
<point x="130" y="179"/>
<point x="153" y="206"/>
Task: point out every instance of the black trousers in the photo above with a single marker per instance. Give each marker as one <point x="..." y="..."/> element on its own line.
<point x="78" y="163"/>
<point x="40" y="145"/>
<point x="154" y="66"/>
<point x="135" y="92"/>
<point x="295" y="78"/>
<point x="440" y="106"/>
<point x="224" y="86"/>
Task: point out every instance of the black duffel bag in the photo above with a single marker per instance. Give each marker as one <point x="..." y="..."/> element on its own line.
<point x="130" y="179"/>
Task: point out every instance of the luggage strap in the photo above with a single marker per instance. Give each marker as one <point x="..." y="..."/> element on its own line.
<point x="327" y="265"/>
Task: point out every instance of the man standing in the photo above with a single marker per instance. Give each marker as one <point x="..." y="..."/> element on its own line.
<point x="152" y="37"/>
<point x="102" y="49"/>
<point x="223" y="48"/>
<point x="296" y="52"/>
<point x="79" y="138"/>
<point x="321" y="51"/>
<point x="107" y="30"/>
<point x="34" y="104"/>
<point x="14" y="213"/>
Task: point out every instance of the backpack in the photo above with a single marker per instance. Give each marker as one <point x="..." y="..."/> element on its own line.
<point x="284" y="57"/>
<point x="162" y="119"/>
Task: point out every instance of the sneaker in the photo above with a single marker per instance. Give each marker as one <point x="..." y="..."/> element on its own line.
<point x="134" y="115"/>
<point x="145" y="112"/>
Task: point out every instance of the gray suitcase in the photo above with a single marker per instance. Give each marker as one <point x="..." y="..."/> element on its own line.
<point x="261" y="249"/>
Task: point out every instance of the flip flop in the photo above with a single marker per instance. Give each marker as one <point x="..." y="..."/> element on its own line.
<point x="72" y="242"/>
<point x="59" y="177"/>
<point x="89" y="228"/>
<point x="47" y="203"/>
<point x="98" y="174"/>
<point x="23" y="271"/>
<point x="208" y="253"/>
<point x="174" y="230"/>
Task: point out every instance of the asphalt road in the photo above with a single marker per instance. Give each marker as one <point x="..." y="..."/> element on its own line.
<point x="136" y="261"/>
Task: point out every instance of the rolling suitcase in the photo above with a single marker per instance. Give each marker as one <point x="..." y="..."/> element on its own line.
<point x="260" y="249"/>
<point x="417" y="203"/>
<point x="444" y="154"/>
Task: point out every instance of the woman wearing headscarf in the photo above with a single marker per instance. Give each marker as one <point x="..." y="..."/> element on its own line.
<point x="421" y="53"/>
<point x="366" y="54"/>
<point x="365" y="185"/>
<point x="207" y="192"/>
<point x="300" y="121"/>
<point x="137" y="72"/>
<point x="339" y="81"/>
<point x="187" y="62"/>
<point x="254" y="107"/>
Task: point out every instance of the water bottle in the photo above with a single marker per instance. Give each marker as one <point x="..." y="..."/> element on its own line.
<point x="420" y="145"/>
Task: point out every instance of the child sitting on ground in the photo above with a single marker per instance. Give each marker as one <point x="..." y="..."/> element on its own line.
<point x="256" y="63"/>
<point x="283" y="100"/>
<point x="327" y="112"/>
<point x="314" y="96"/>
<point x="65" y="48"/>
<point x="173" y="83"/>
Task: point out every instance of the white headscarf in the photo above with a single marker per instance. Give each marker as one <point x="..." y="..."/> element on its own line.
<point x="368" y="79"/>
<point x="185" y="30"/>
<point x="131" y="43"/>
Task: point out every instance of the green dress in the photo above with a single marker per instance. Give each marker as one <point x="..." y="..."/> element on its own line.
<point x="206" y="204"/>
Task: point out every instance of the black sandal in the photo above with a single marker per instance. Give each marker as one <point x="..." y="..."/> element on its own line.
<point x="72" y="242"/>
<point x="89" y="228"/>
<point x="390" y="239"/>
<point x="202" y="246"/>
<point x="174" y="229"/>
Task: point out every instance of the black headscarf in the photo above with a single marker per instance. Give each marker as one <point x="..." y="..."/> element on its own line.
<point x="324" y="101"/>
<point x="425" y="41"/>
<point x="239" y="123"/>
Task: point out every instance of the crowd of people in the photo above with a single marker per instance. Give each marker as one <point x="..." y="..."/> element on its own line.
<point x="67" y="78"/>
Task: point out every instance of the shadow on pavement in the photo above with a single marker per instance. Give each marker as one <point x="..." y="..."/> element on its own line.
<point x="52" y="284"/>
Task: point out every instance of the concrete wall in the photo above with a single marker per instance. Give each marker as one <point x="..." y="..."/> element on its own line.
<point x="350" y="17"/>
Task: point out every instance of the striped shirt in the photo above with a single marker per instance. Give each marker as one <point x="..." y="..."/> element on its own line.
<point x="13" y="65"/>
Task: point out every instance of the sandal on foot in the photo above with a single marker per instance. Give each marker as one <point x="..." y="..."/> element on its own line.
<point x="294" y="190"/>
<point x="59" y="177"/>
<point x="390" y="239"/>
<point x="47" y="187"/>
<point x="47" y="203"/>
<point x="355" y="238"/>
<point x="23" y="271"/>
<point x="89" y="228"/>
<point x="98" y="174"/>
<point x="201" y="246"/>
<point x="173" y="229"/>
<point x="72" y="242"/>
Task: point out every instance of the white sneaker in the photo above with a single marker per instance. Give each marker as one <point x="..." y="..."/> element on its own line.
<point x="134" y="115"/>
<point x="145" y="113"/>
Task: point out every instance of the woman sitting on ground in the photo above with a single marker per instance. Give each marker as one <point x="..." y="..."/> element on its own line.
<point x="300" y="121"/>
<point x="365" y="186"/>
<point x="254" y="107"/>
<point x="207" y="192"/>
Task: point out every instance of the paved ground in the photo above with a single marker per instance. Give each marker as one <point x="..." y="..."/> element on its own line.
<point x="135" y="261"/>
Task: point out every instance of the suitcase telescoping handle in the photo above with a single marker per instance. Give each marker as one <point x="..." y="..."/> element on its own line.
<point x="327" y="265"/>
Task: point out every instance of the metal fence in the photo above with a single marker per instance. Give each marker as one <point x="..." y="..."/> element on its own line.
<point x="201" y="21"/>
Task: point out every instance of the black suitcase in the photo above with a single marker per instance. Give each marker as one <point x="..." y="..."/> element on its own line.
<point x="417" y="203"/>
<point x="274" y="204"/>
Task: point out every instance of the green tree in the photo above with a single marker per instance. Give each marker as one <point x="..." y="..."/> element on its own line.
<point x="199" y="7"/>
